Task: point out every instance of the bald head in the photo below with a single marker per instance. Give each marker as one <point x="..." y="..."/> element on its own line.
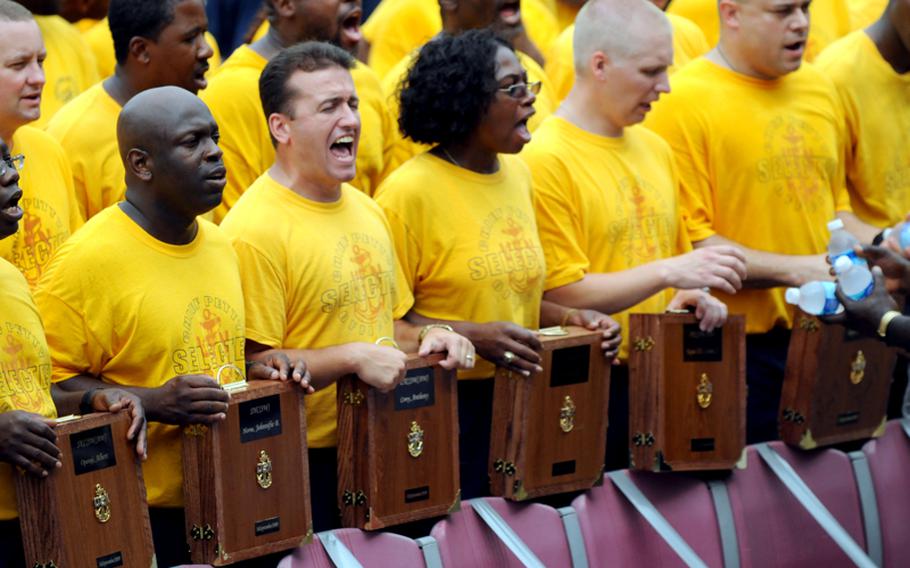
<point x="148" y="121"/>
<point x="14" y="12"/>
<point x="617" y="28"/>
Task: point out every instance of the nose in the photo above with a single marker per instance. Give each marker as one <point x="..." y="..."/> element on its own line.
<point x="213" y="152"/>
<point x="35" y="75"/>
<point x="205" y="50"/>
<point x="350" y="117"/>
<point x="800" y="21"/>
<point x="529" y="99"/>
<point x="663" y="83"/>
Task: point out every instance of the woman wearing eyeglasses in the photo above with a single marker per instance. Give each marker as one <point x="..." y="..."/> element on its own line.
<point x="463" y="222"/>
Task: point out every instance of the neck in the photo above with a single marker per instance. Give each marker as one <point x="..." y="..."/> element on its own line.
<point x="288" y="173"/>
<point x="272" y="42"/>
<point x="576" y="110"/>
<point x="469" y="157"/>
<point x="166" y="226"/>
<point x="889" y="44"/>
<point x="121" y="86"/>
<point x="729" y="57"/>
<point x="7" y="133"/>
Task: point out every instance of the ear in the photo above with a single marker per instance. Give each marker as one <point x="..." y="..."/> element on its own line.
<point x="284" y="8"/>
<point x="139" y="164"/>
<point x="729" y="13"/>
<point x="598" y="64"/>
<point x="139" y="50"/>
<point x="280" y="127"/>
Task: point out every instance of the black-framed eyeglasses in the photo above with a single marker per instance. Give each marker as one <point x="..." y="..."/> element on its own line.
<point x="521" y="90"/>
<point x="16" y="162"/>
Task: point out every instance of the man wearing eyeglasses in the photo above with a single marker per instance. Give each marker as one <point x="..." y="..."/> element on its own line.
<point x="50" y="210"/>
<point x="606" y="191"/>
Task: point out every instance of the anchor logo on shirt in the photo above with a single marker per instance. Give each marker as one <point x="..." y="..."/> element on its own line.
<point x="368" y="308"/>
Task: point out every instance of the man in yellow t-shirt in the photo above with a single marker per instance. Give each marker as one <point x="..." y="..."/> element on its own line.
<point x="688" y="43"/>
<point x="606" y="192"/>
<point x="830" y="21"/>
<point x="51" y="213"/>
<point x="156" y="44"/>
<point x="28" y="401"/>
<point x="398" y="27"/>
<point x="316" y="255"/>
<point x="234" y="96"/>
<point x="759" y="144"/>
<point x="458" y="17"/>
<point x="147" y="297"/>
<point x="871" y="73"/>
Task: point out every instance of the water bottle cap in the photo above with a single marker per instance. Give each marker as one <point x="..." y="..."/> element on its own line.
<point x="842" y="264"/>
<point x="792" y="296"/>
<point x="835" y="225"/>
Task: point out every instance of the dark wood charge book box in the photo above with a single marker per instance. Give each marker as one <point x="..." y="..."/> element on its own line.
<point x="836" y="385"/>
<point x="550" y="429"/>
<point x="92" y="512"/>
<point x="246" y="480"/>
<point x="687" y="393"/>
<point x="398" y="451"/>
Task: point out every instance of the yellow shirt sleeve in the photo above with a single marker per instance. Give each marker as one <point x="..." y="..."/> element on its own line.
<point x="560" y="64"/>
<point x="101" y="43"/>
<point x="540" y="23"/>
<point x="69" y="69"/>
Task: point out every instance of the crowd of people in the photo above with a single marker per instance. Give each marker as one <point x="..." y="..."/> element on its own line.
<point x="454" y="178"/>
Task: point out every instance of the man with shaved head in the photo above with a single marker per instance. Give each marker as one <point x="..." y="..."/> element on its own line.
<point x="758" y="139"/>
<point x="146" y="296"/>
<point x="606" y="191"/>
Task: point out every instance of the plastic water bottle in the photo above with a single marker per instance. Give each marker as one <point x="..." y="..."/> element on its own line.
<point x="899" y="235"/>
<point x="815" y="298"/>
<point x="841" y="243"/>
<point x="855" y="280"/>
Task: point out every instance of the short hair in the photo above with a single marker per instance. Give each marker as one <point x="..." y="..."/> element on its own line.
<point x="138" y="18"/>
<point x="614" y="28"/>
<point x="14" y="12"/>
<point x="449" y="87"/>
<point x="307" y="56"/>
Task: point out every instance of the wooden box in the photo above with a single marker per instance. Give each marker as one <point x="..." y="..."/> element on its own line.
<point x="398" y="451"/>
<point x="836" y="385"/>
<point x="246" y="480"/>
<point x="92" y="512"/>
<point x="549" y="430"/>
<point x="687" y="393"/>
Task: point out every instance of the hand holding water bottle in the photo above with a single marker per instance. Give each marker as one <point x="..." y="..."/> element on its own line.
<point x="865" y="315"/>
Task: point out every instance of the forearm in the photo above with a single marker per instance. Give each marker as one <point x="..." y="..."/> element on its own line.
<point x="768" y="269"/>
<point x="858" y="228"/>
<point x="74" y="387"/>
<point x="66" y="401"/>
<point x="407" y="336"/>
<point x="465" y="328"/>
<point x="325" y="365"/>
<point x="553" y="314"/>
<point x="612" y="292"/>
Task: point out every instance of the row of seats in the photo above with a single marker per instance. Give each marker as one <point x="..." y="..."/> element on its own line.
<point x="747" y="518"/>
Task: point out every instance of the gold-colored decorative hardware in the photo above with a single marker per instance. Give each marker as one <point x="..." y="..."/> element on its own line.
<point x="704" y="392"/>
<point x="643" y="343"/>
<point x="567" y="415"/>
<point x="555" y="331"/>
<point x="102" y="504"/>
<point x="643" y="439"/>
<point x="205" y="532"/>
<point x="809" y="324"/>
<point x="354" y="398"/>
<point x="415" y="440"/>
<point x="499" y="466"/>
<point x="196" y="430"/>
<point x="347" y="498"/>
<point x="791" y="415"/>
<point x="509" y="469"/>
<point x="858" y="368"/>
<point x="360" y="499"/>
<point x="220" y="551"/>
<point x="48" y="564"/>
<point x="518" y="491"/>
<point x="264" y="470"/>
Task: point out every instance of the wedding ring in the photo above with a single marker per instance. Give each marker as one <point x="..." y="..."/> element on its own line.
<point x="508" y="357"/>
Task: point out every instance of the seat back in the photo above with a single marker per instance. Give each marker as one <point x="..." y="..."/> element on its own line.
<point x="617" y="535"/>
<point x="889" y="464"/>
<point x="465" y="540"/>
<point x="372" y="550"/>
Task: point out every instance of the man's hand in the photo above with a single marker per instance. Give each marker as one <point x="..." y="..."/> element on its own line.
<point x="593" y="320"/>
<point x="895" y="267"/>
<point x="722" y="267"/>
<point x="865" y="315"/>
<point x="380" y="366"/>
<point x="460" y="352"/>
<point x="275" y="365"/>
<point x="189" y="399"/>
<point x="507" y="345"/>
<point x="28" y="441"/>
<point x="115" y="400"/>
<point x="710" y="311"/>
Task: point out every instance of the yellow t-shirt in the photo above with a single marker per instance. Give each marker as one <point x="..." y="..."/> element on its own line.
<point x="398" y="27"/>
<point x="233" y="97"/>
<point x="761" y="163"/>
<point x="25" y="366"/>
<point x="124" y="306"/>
<point x="69" y="69"/>
<point x="315" y="275"/>
<point x="87" y="130"/>
<point x="467" y="242"/>
<point x="875" y="102"/>
<point x="566" y="13"/>
<point x="688" y="43"/>
<point x="403" y="149"/>
<point x="605" y="205"/>
<point x="101" y="42"/>
<point x="48" y="203"/>
<point x="865" y="12"/>
<point x="829" y="20"/>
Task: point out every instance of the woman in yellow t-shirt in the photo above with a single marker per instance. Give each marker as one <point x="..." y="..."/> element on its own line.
<point x="463" y="222"/>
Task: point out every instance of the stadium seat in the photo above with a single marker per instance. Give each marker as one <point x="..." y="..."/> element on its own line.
<point x="889" y="464"/>
<point x="372" y="550"/>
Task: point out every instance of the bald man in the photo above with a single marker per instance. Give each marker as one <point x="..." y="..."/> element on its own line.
<point x="758" y="141"/>
<point x="606" y="190"/>
<point x="148" y="297"/>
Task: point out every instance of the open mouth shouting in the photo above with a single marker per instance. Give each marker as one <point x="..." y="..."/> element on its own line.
<point x="10" y="212"/>
<point x="521" y="127"/>
<point x="343" y="149"/>
<point x="349" y="30"/>
<point x="796" y="48"/>
<point x="199" y="76"/>
<point x="509" y="12"/>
